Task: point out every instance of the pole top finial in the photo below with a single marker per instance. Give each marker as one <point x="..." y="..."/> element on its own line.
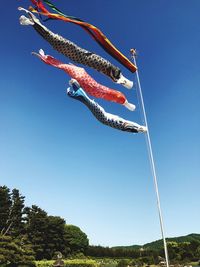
<point x="133" y="52"/>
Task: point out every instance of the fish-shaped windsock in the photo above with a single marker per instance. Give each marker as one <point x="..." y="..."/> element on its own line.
<point x="74" y="52"/>
<point x="104" y="117"/>
<point x="92" y="30"/>
<point x="86" y="81"/>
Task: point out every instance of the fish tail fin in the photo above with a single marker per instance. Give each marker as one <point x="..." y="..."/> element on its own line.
<point x="142" y="129"/>
<point x="48" y="59"/>
<point x="129" y="106"/>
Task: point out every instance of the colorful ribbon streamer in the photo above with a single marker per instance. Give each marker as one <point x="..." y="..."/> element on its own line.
<point x="96" y="33"/>
<point x="74" y="52"/>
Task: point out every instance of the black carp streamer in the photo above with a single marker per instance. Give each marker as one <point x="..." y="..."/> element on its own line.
<point x="92" y="30"/>
<point x="104" y="117"/>
<point x="74" y="52"/>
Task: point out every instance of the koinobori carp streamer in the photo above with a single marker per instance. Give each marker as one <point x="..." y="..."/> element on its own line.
<point x="86" y="81"/>
<point x="74" y="52"/>
<point x="104" y="117"/>
<point x="96" y="33"/>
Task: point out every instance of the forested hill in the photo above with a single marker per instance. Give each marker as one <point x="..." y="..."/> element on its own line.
<point x="158" y="244"/>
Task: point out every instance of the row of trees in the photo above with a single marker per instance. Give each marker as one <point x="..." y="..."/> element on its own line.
<point x="33" y="233"/>
<point x="182" y="252"/>
<point x="135" y="256"/>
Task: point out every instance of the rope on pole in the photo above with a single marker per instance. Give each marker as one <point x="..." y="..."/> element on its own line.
<point x="151" y="157"/>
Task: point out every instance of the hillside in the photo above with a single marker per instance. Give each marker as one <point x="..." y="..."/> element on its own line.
<point x="159" y="243"/>
<point x="128" y="247"/>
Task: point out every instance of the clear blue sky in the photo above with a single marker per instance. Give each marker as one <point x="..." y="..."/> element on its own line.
<point x="63" y="160"/>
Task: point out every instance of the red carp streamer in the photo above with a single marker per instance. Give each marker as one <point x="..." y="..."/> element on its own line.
<point x="96" y="33"/>
<point x="86" y="81"/>
<point x="75" y="52"/>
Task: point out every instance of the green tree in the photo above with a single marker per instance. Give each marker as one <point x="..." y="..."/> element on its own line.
<point x="30" y="229"/>
<point x="16" y="214"/>
<point x="5" y="208"/>
<point x="13" y="253"/>
<point x="198" y="252"/>
<point x="36" y="229"/>
<point x="11" y="211"/>
<point x="75" y="239"/>
<point x="193" y="248"/>
<point x="55" y="236"/>
<point x="46" y="233"/>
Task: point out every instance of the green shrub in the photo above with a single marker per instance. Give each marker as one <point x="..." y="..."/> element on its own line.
<point x="69" y="263"/>
<point x="107" y="262"/>
<point x="123" y="263"/>
<point x="13" y="254"/>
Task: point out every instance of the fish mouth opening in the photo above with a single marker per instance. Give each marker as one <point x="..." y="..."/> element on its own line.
<point x="70" y="91"/>
<point x="31" y="20"/>
<point x="74" y="84"/>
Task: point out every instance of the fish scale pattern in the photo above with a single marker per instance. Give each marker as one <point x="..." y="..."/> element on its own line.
<point x="74" y="52"/>
<point x="78" y="54"/>
<point x="85" y="80"/>
<point x="101" y="115"/>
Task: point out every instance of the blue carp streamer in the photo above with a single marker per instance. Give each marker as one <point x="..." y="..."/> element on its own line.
<point x="76" y="92"/>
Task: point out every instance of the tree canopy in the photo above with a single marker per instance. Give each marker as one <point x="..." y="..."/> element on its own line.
<point x="28" y="233"/>
<point x="31" y="230"/>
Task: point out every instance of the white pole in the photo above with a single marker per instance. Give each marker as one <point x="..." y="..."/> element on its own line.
<point x="151" y="158"/>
